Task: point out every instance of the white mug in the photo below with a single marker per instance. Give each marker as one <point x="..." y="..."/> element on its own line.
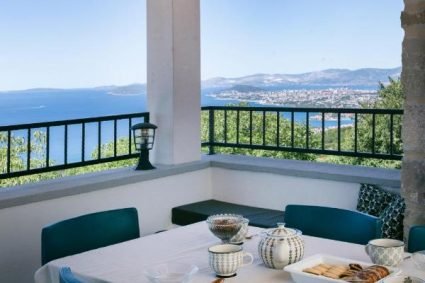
<point x="225" y="259"/>
<point x="387" y="252"/>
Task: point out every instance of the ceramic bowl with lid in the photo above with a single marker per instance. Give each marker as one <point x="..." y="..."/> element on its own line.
<point x="281" y="246"/>
<point x="402" y="279"/>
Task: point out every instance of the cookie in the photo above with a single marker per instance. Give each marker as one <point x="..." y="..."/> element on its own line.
<point x="381" y="270"/>
<point x="331" y="275"/>
<point x="355" y="266"/>
<point x="325" y="265"/>
<point x="348" y="273"/>
<point x="368" y="276"/>
<point x="312" y="271"/>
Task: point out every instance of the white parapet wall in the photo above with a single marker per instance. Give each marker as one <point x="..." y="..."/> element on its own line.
<point x="20" y="232"/>
<point x="274" y="191"/>
<point x="260" y="182"/>
<point x="275" y="183"/>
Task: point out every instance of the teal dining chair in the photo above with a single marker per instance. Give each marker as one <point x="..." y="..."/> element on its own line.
<point x="416" y="240"/>
<point x="333" y="223"/>
<point x="66" y="276"/>
<point x="87" y="232"/>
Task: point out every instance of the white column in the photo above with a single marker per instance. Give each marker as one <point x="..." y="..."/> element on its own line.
<point x="173" y="79"/>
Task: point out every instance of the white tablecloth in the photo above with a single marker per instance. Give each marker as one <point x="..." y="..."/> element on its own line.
<point x="125" y="262"/>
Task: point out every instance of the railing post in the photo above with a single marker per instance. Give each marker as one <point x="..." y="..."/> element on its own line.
<point x="211" y="131"/>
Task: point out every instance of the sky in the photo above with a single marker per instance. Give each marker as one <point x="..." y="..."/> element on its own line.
<point x="86" y="43"/>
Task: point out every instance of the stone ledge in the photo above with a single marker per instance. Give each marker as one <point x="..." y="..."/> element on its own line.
<point x="389" y="178"/>
<point x="68" y="186"/>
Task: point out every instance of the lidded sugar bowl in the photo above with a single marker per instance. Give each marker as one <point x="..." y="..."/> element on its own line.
<point x="281" y="246"/>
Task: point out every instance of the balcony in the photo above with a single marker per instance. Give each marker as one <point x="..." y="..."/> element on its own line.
<point x="26" y="209"/>
<point x="260" y="182"/>
<point x="184" y="175"/>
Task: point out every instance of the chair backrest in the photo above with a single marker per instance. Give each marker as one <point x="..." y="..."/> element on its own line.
<point x="88" y="232"/>
<point x="66" y="276"/>
<point x="416" y="239"/>
<point x="333" y="223"/>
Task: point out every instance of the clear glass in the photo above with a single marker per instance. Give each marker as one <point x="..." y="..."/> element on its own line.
<point x="144" y="138"/>
<point x="225" y="226"/>
<point x="418" y="259"/>
<point x="171" y="273"/>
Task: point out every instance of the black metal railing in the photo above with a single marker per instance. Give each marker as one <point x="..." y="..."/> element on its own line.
<point x="368" y="133"/>
<point x="36" y="140"/>
<point x="327" y="131"/>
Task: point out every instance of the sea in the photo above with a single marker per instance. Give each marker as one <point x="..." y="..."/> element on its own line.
<point x="21" y="107"/>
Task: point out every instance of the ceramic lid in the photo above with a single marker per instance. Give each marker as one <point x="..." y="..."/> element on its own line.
<point x="282" y="232"/>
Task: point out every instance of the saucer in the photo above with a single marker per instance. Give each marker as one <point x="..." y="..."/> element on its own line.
<point x="226" y="276"/>
<point x="237" y="243"/>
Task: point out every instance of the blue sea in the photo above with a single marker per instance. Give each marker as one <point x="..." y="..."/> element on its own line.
<point x="20" y="107"/>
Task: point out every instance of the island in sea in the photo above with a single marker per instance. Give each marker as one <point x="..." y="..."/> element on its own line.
<point x="327" y="88"/>
<point x="339" y="88"/>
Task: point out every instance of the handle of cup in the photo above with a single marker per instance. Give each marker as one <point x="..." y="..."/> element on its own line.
<point x="251" y="259"/>
<point x="366" y="248"/>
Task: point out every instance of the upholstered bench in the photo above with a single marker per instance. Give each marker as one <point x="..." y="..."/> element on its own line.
<point x="199" y="211"/>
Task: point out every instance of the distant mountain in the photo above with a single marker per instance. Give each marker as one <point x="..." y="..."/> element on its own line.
<point x="329" y="77"/>
<point x="245" y="88"/>
<point x="258" y="82"/>
<point x="133" y="89"/>
<point x="34" y="90"/>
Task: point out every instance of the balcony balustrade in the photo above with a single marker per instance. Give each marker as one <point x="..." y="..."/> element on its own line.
<point x="36" y="140"/>
<point x="279" y="130"/>
<point x="279" y="127"/>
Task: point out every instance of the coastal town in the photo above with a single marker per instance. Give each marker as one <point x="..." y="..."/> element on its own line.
<point x="331" y="97"/>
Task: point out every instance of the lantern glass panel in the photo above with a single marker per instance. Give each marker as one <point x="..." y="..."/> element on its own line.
<point x="144" y="138"/>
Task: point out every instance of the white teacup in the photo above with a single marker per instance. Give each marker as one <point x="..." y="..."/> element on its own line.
<point x="387" y="252"/>
<point x="225" y="259"/>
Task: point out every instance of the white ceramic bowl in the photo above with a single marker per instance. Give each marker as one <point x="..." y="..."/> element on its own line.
<point x="171" y="273"/>
<point x="401" y="279"/>
<point x="419" y="259"/>
<point x="297" y="274"/>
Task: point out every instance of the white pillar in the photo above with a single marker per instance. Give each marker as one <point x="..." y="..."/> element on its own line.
<point x="173" y="79"/>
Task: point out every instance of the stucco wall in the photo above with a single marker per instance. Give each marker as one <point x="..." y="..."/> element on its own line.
<point x="252" y="181"/>
<point x="20" y="226"/>
<point x="275" y="191"/>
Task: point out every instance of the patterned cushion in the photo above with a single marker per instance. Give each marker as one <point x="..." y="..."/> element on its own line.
<point x="373" y="200"/>
<point x="392" y="219"/>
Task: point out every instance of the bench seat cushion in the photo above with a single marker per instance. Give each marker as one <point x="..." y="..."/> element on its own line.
<point x="199" y="211"/>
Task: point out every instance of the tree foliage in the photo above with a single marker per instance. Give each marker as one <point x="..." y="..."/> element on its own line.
<point x="390" y="96"/>
<point x="270" y="137"/>
<point x="18" y="157"/>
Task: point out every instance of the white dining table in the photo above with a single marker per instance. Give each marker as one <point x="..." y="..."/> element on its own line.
<point x="125" y="262"/>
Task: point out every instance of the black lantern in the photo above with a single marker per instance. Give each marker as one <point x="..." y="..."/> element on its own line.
<point x="144" y="137"/>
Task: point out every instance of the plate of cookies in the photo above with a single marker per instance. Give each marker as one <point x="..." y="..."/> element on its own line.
<point x="327" y="268"/>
